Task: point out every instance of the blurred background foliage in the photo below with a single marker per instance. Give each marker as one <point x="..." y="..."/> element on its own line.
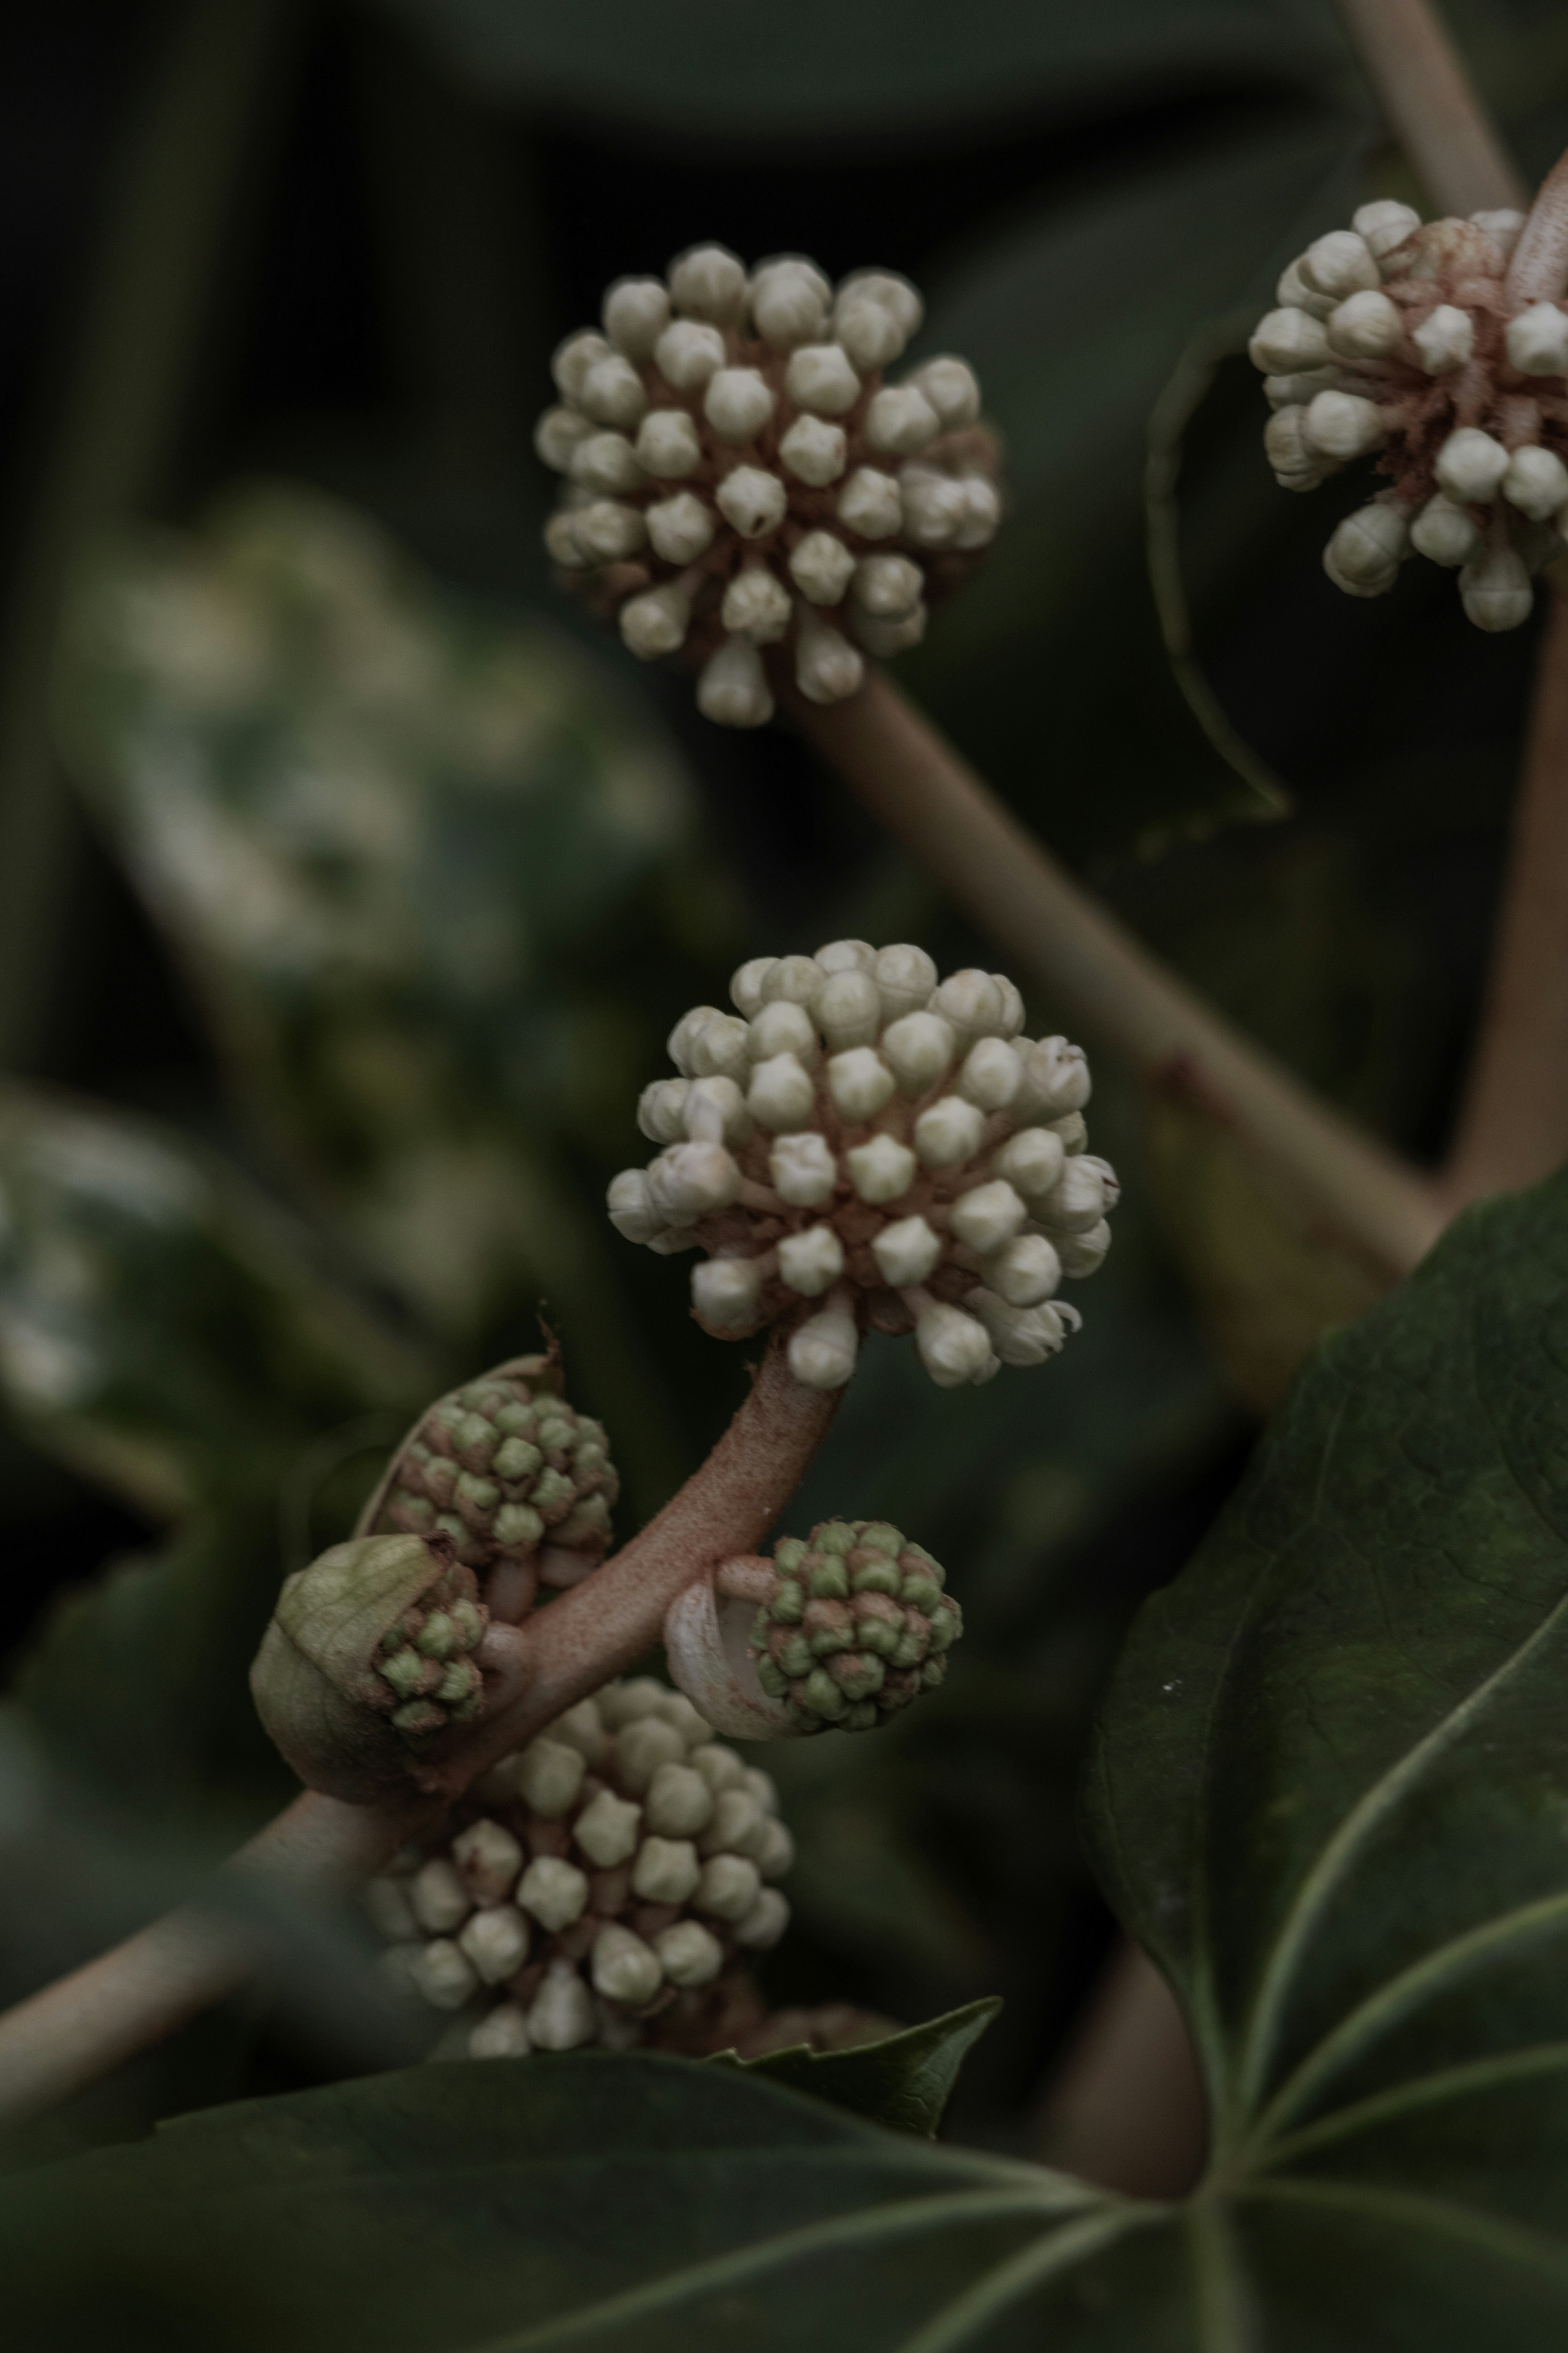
<point x="349" y="881"/>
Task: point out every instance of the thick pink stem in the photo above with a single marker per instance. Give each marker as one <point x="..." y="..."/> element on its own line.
<point x="1421" y="84"/>
<point x="1539" y="270"/>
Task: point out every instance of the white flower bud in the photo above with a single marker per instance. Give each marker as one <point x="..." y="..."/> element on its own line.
<point x="936" y="507"/>
<point x="982" y="512"/>
<point x="1024" y="1336"/>
<point x="1343" y="425"/>
<point x="550" y="1776"/>
<point x="681" y="1042"/>
<point x="729" y="1885"/>
<point x="667" y="445"/>
<point x="665" y="1871"/>
<point x="1339" y="264"/>
<point x="1495" y="589"/>
<point x="1012" y="1006"/>
<point x="1366" y="548"/>
<point x="607" y="1829"/>
<point x="949" y="1133"/>
<point x="721" y="1768"/>
<point x="988" y="1216"/>
<point x="1502" y="227"/>
<point x="953" y="1346"/>
<point x="821" y="567"/>
<point x="764" y="1924"/>
<point x="690" y="1180"/>
<point x="919" y="1048"/>
<point x="673" y="1240"/>
<point x="1445" y="340"/>
<point x="793" y="980"/>
<point x="870" y="504"/>
<point x="688" y="1954"/>
<point x="688" y="353"/>
<point x="609" y="532"/>
<point x="1031" y="1161"/>
<point x="889" y="291"/>
<point x="1471" y="465"/>
<point x="561" y="2015"/>
<point x="813" y="452"/>
<point x="715" y="1110"/>
<point x="822" y="1353"/>
<point x="571" y="360"/>
<point x="1082" y="1255"/>
<point x="888" y="586"/>
<point x="783" y="1026"/>
<point x="655" y="622"/>
<point x="1078" y="1199"/>
<point x="778" y="1851"/>
<point x="732" y="688"/>
<point x="561" y="540"/>
<point x="951" y="388"/>
<point x="631" y="1207"/>
<point x="781" y="1095"/>
<point x="437" y="1897"/>
<point x="495" y="1942"/>
<point x="725" y="1290"/>
<point x="883" y="639"/>
<point x="558" y="434"/>
<point x="900" y="421"/>
<point x="629" y="1703"/>
<point x="738" y="1825"/>
<point x="991" y="1074"/>
<point x="681" y="528"/>
<point x="613" y="392"/>
<point x="859" y="1082"/>
<point x="502" y="2035"/>
<point x="1384" y="225"/>
<point x="708" y="281"/>
<point x="1366" y="326"/>
<point x="391" y="1913"/>
<point x="819" y="377"/>
<point x="811" y="1262"/>
<point x="1293" y="293"/>
<point x="443" y="1974"/>
<point x="881" y="1170"/>
<point x="789" y="302"/>
<point x="849" y="1009"/>
<point x="679" y="1803"/>
<point x="554" y="1890"/>
<point x="1025" y="1271"/>
<point x="636" y="313"/>
<point x="606" y="464"/>
<point x="803" y="1169"/>
<point x="971" y="1001"/>
<point x="1537" y="341"/>
<point x="718" y="1049"/>
<point x="642" y="1746"/>
<point x="737" y="403"/>
<point x="752" y="501"/>
<point x="1536" y="483"/>
<point x="625" y="1969"/>
<point x="1289" y="452"/>
<point x="1296" y="391"/>
<point x="906" y="1252"/>
<point x="582" y="1727"/>
<point x="746" y="984"/>
<point x="869" y="334"/>
<point x="906" y="976"/>
<point x="826" y="667"/>
<point x="1055" y="1081"/>
<point x="1287" y="340"/>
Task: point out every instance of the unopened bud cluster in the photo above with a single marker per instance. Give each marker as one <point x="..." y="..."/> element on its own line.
<point x="1413" y="342"/>
<point x="739" y="475"/>
<point x="857" y="1627"/>
<point x="601" y="1885"/>
<point x="511" y="1476"/>
<point x="856" y="1147"/>
<point x="425" y="1661"/>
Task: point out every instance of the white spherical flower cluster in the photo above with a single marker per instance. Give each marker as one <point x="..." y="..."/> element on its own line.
<point x="604" y="1885"/>
<point x="857" y="1145"/>
<point x="738" y="474"/>
<point x="1427" y="345"/>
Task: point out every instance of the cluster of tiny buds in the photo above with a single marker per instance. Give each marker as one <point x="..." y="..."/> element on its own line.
<point x="856" y="1132"/>
<point x="738" y="476"/>
<point x="856" y="1627"/>
<point x="1423" y="342"/>
<point x="594" y="1887"/>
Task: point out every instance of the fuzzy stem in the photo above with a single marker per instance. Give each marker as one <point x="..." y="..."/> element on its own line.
<point x="1059" y="936"/>
<point x="1539" y="270"/>
<point x="1420" y="82"/>
<point x="73" y="2032"/>
<point x="1513" y="1127"/>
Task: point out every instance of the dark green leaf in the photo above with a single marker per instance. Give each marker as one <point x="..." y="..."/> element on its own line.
<point x="904" y="2082"/>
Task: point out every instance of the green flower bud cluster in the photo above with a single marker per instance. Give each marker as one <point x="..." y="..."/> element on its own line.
<point x="423" y="1663"/>
<point x="605" y="1884"/>
<point x="504" y="1467"/>
<point x="857" y="1627"/>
